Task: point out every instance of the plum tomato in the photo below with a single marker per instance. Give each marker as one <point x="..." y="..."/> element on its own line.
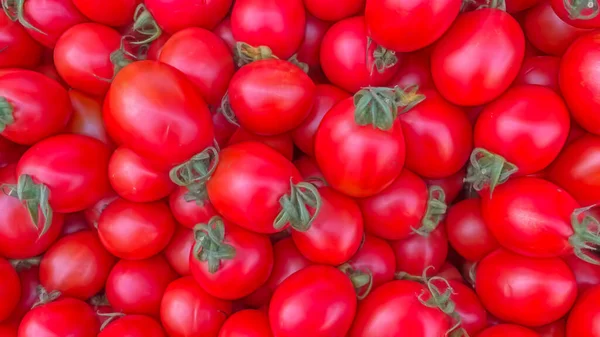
<point x="282" y="143"/>
<point x="20" y="49"/>
<point x="114" y="13"/>
<point x="133" y="326"/>
<point x="584" y="315"/>
<point x="63" y="317"/>
<point x="331" y="11"/>
<point x="375" y="256"/>
<point x="419" y="252"/>
<point x="179" y="249"/>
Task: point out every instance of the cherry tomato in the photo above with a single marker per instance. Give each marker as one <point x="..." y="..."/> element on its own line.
<point x="87" y="117"/>
<point x="375" y="256"/>
<point x="19" y="49"/>
<point x="179" y="249"/>
<point x="10" y="289"/>
<point x="418" y="252"/>
<point x="63" y="317"/>
<point x="415" y="70"/>
<point x="583" y="318"/>
<point x="330" y="11"/>
<point x="540" y="70"/>
<point x="190" y="209"/>
<point x="577" y="13"/>
<point x="512" y="330"/>
<point x="555" y="329"/>
<point x="115" y="13"/>
<point x="190" y="13"/>
<point x="470" y="311"/>
<point x="247" y="323"/>
<point x="282" y="143"/>
<point x="586" y="274"/>
<point x="133" y="326"/>
<point x="310" y="49"/>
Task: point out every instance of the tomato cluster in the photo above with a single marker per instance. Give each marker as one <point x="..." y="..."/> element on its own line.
<point x="293" y="168"/>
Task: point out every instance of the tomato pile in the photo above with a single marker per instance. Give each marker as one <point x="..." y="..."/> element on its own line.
<point x="294" y="168"/>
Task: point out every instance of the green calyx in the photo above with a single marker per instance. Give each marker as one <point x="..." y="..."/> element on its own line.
<point x="294" y="60"/>
<point x="436" y="210"/>
<point x="497" y="4"/>
<point x="14" y="9"/>
<point x="383" y="59"/>
<point x="36" y="199"/>
<point x="586" y="234"/>
<point x="6" y="113"/>
<point x="196" y="193"/>
<point x="24" y="264"/>
<point x="210" y="246"/>
<point x="44" y="296"/>
<point x="378" y="106"/>
<point x="245" y="53"/>
<point x="488" y="169"/>
<point x="361" y="280"/>
<point x="582" y="9"/>
<point x="227" y="111"/>
<point x="442" y="301"/>
<point x="145" y="26"/>
<point x="294" y="207"/>
<point x="197" y="170"/>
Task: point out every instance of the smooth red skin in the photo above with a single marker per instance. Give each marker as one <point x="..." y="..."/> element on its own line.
<point x="181" y="125"/>
<point x="336" y="232"/>
<point x="583" y="319"/>
<point x="326" y="96"/>
<point x="282" y="143"/>
<point x="316" y="301"/>
<point x="248" y="183"/>
<point x="87" y="117"/>
<point x="136" y="231"/>
<point x="29" y="278"/>
<point x="135" y="179"/>
<point x="392" y="213"/>
<point x="241" y="275"/>
<point x="179" y="249"/>
<point x="115" y="13"/>
<point x="137" y="287"/>
<point x="82" y="57"/>
<point x="310" y="49"/>
<point x="63" y="317"/>
<point x="343" y="57"/>
<point x="555" y="329"/>
<point x="187" y="310"/>
<point x="34" y="119"/>
<point x="467" y="232"/>
<point x="586" y="274"/>
<point x="394" y="310"/>
<point x="560" y="10"/>
<point x="76" y="265"/>
<point x="277" y="24"/>
<point x="473" y="317"/>
<point x="189" y="213"/>
<point x="415" y="70"/>
<point x="502" y="330"/>
<point x="10" y="152"/>
<point x="190" y="13"/>
<point x="133" y="326"/>
<point x="390" y="21"/>
<point x="330" y="11"/>
<point x="528" y="126"/>
<point x="417" y="253"/>
<point x="20" y="49"/>
<point x="474" y="76"/>
<point x="308" y="169"/>
<point x="92" y="214"/>
<point x="525" y="291"/>
<point x="359" y="161"/>
<point x="10" y="289"/>
<point x="540" y="70"/>
<point x="204" y="58"/>
<point x="53" y="17"/>
<point x="376" y="257"/>
<point x="247" y="323"/>
<point x="452" y="185"/>
<point x="73" y="167"/>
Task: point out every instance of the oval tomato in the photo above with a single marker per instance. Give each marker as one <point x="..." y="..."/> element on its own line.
<point x="577" y="13"/>
<point x="282" y="143"/>
<point x="586" y="274"/>
<point x="502" y="330"/>
<point x="87" y="117"/>
<point x="20" y="50"/>
<point x="540" y="70"/>
<point x="63" y="317"/>
<point x="247" y="323"/>
<point x="330" y="11"/>
<point x="179" y="249"/>
<point x="10" y="289"/>
<point x="416" y="253"/>
<point x="115" y="13"/>
<point x="375" y="256"/>
<point x="190" y="209"/>
<point x="582" y="319"/>
<point x="415" y="71"/>
<point x="133" y="326"/>
<point x="190" y="13"/>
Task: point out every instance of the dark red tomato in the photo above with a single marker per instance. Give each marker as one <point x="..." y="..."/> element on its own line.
<point x="394" y="310"/>
<point x="9" y="329"/>
<point x="585" y="315"/>
<point x="523" y="290"/>
<point x="233" y="265"/>
<point x="417" y="252"/>
<point x="343" y="58"/>
<point x="87" y="117"/>
<point x="224" y="129"/>
<point x="282" y="143"/>
<point x="82" y="57"/>
<point x="375" y="256"/>
<point x="136" y="231"/>
<point x="316" y="301"/>
<point x="74" y="222"/>
<point x="76" y="265"/>
<point x="174" y="134"/>
<point x="133" y="326"/>
<point x="30" y="281"/>
<point x="452" y="185"/>
<point x="473" y="317"/>
<point x="277" y="24"/>
<point x="407" y="26"/>
<point x="10" y="289"/>
<point x="309" y="170"/>
<point x="503" y="330"/>
<point x="189" y="209"/>
<point x="326" y="96"/>
<point x="467" y="232"/>
<point x="248" y="183"/>
<point x="472" y="75"/>
<point x="135" y="179"/>
<point x="577" y="13"/>
<point x="190" y="13"/>
<point x="115" y="13"/>
<point x="540" y="70"/>
<point x="179" y="249"/>
<point x="586" y="274"/>
<point x="19" y="49"/>
<point x="415" y="70"/>
<point x="10" y="152"/>
<point x="330" y="11"/>
<point x="336" y="232"/>
<point x="137" y="287"/>
<point x="27" y="121"/>
<point x="310" y="49"/>
<point x="555" y="329"/>
<point x="204" y="58"/>
<point x="156" y="46"/>
<point x="64" y="317"/>
<point x="247" y="323"/>
<point x="92" y="214"/>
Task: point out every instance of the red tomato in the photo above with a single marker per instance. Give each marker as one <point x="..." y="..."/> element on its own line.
<point x="82" y="57"/>
<point x="133" y="326"/>
<point x="19" y="49"/>
<point x="190" y="13"/>
<point x="586" y="274"/>
<point x="583" y="318"/>
<point x="10" y="152"/>
<point x="555" y="329"/>
<point x="540" y="70"/>
<point x="247" y="323"/>
<point x="469" y="310"/>
<point x="87" y="117"/>
<point x="10" y="289"/>
<point x="27" y="121"/>
<point x="452" y="185"/>
<point x="282" y="143"/>
<point x="187" y="310"/>
<point x="76" y="265"/>
<point x="64" y="317"/>
<point x="204" y="58"/>
<point x="407" y="26"/>
<point x="415" y="70"/>
<point x="137" y="287"/>
<point x="136" y="231"/>
<point x="330" y="11"/>
<point x="310" y="49"/>
<point x="450" y="273"/>
<point x="467" y="232"/>
<point x="376" y="257"/>
<point x="577" y="13"/>
<point x="30" y="282"/>
<point x="190" y="209"/>
<point x="180" y="126"/>
<point x="134" y="179"/>
<point x="277" y="24"/>
<point x="179" y="249"/>
<point x="464" y="70"/>
<point x="115" y="13"/>
<point x="579" y="80"/>
<point x="523" y="290"/>
<point x="417" y="253"/>
<point x="343" y="57"/>
<point x="316" y="301"/>
<point x="503" y="330"/>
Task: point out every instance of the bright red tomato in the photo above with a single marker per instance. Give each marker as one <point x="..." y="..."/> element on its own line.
<point x="190" y="13"/>
<point x="463" y="69"/>
<point x="137" y="287"/>
<point x="540" y="70"/>
<point x="204" y="58"/>
<point x="376" y="257"/>
<point x="247" y="323"/>
<point x="417" y="253"/>
<point x="10" y="152"/>
<point x="87" y="117"/>
<point x="503" y="330"/>
<point x="583" y="319"/>
<point x="554" y="329"/>
<point x="469" y="310"/>
<point x="523" y="290"/>
<point x="577" y="13"/>
<point x="282" y="143"/>
<point x="190" y="209"/>
<point x="133" y="326"/>
<point x="343" y="57"/>
<point x="415" y="70"/>
<point x="330" y="11"/>
<point x="317" y="301"/>
<point x="10" y="289"/>
<point x="63" y="317"/>
<point x="179" y="249"/>
<point x="19" y="49"/>
<point x="310" y="49"/>
<point x="187" y="310"/>
<point x="136" y="231"/>
<point x="586" y="274"/>
<point x="115" y="13"/>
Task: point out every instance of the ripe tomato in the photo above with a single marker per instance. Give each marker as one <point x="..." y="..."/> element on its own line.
<point x="204" y="58"/>
<point x="282" y="143"/>
<point x="190" y="13"/>
<point x="343" y="57"/>
<point x="20" y="50"/>
<point x="326" y="298"/>
<point x="415" y="70"/>
<point x="376" y="257"/>
<point x="87" y="117"/>
<point x="76" y="265"/>
<point x="407" y="26"/>
<point x="330" y="11"/>
<point x="463" y="69"/>
<point x="469" y="310"/>
<point x="180" y="126"/>
<point x="179" y="249"/>
<point x="136" y="231"/>
<point x="586" y="274"/>
<point x="502" y="330"/>
<point x="540" y="70"/>
<point x="10" y="289"/>
<point x="82" y="57"/>
<point x="187" y="310"/>
<point x="137" y="287"/>
<point x="310" y="49"/>
<point x="115" y="13"/>
<point x="583" y="318"/>
<point x="577" y="13"/>
<point x="190" y="209"/>
<point x="450" y="273"/>
<point x="523" y="290"/>
<point x="247" y="323"/>
<point x="416" y="253"/>
<point x="133" y="326"/>
<point x="63" y="317"/>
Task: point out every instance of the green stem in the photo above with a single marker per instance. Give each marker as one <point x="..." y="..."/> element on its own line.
<point x="383" y="59"/>
<point x="441" y="300"/>
<point x="145" y="25"/>
<point x="361" y="280"/>
<point x="227" y="111"/>
<point x="44" y="296"/>
<point x="586" y="235"/>
<point x="582" y="9"/>
<point x="378" y="106"/>
<point x="26" y="263"/>
<point x="36" y="199"/>
<point x="294" y="60"/>
<point x="245" y="53"/>
<point x="210" y="246"/>
<point x="436" y="210"/>
<point x="6" y="113"/>
<point x="112" y="316"/>
<point x="294" y="207"/>
<point x="196" y="170"/>
<point x="14" y="9"/>
<point x="488" y="169"/>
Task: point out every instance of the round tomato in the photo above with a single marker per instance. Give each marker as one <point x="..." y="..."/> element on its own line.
<point x="10" y="289"/>
<point x="63" y="317"/>
<point x="331" y="11"/>
<point x="179" y="249"/>
<point x="247" y="323"/>
<point x="585" y="315"/>
<point x="190" y="13"/>
<point x="523" y="290"/>
<point x="115" y="13"/>
<point x="282" y="143"/>
<point x="190" y="209"/>
<point x="416" y="253"/>
<point x="502" y="330"/>
<point x="310" y="49"/>
<point x="415" y="70"/>
<point x="133" y="326"/>
<point x="376" y="257"/>
<point x="87" y="117"/>
<point x="540" y="70"/>
<point x="19" y="49"/>
<point x="582" y="14"/>
<point x="586" y="274"/>
<point x="464" y="70"/>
